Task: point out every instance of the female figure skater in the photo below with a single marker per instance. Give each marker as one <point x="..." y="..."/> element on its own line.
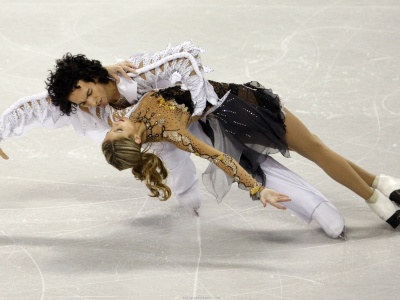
<point x="244" y="113"/>
<point x="155" y="119"/>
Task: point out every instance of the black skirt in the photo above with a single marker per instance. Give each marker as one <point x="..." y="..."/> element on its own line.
<point x="251" y="117"/>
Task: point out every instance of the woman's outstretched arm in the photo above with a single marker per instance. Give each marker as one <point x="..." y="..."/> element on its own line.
<point x="184" y="140"/>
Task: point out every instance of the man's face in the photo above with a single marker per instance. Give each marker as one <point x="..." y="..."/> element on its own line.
<point x="89" y="94"/>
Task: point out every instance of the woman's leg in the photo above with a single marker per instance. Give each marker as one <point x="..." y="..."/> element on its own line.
<point x="365" y="175"/>
<point x="387" y="185"/>
<point x="301" y="140"/>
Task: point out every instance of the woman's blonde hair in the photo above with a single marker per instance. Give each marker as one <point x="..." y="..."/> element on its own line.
<point x="125" y="153"/>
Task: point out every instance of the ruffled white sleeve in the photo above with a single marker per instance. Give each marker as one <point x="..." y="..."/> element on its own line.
<point x="37" y="111"/>
<point x="175" y="65"/>
<point x="30" y="112"/>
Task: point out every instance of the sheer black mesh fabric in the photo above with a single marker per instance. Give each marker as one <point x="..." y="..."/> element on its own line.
<point x="252" y="118"/>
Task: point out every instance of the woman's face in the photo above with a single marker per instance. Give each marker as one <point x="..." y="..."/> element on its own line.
<point x="89" y="94"/>
<point x="122" y="128"/>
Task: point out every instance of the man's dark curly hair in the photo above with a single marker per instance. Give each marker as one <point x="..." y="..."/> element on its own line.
<point x="68" y="71"/>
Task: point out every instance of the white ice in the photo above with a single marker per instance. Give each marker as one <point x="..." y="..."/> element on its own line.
<point x="72" y="227"/>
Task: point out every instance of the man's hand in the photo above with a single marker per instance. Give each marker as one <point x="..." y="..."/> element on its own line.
<point x="123" y="68"/>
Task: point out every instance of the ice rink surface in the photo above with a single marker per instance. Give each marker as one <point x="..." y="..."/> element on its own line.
<point x="72" y="227"/>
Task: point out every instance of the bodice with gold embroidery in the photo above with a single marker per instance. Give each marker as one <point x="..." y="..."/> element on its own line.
<point x="160" y="116"/>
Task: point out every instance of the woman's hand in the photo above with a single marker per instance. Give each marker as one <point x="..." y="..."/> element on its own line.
<point x="122" y="68"/>
<point x="3" y="155"/>
<point x="272" y="197"/>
